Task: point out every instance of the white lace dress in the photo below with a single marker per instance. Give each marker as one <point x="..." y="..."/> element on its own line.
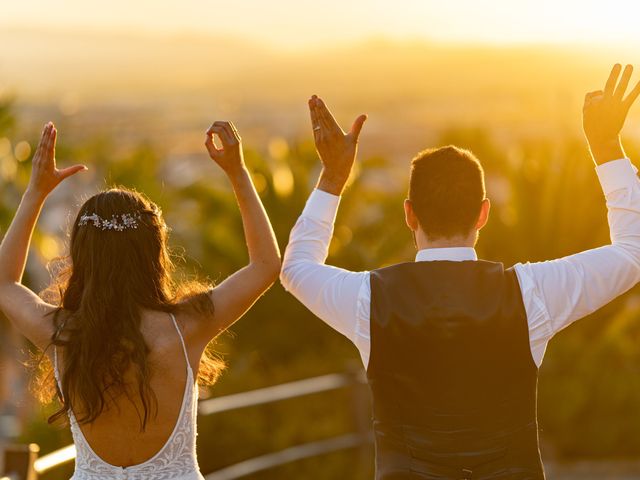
<point x="176" y="460"/>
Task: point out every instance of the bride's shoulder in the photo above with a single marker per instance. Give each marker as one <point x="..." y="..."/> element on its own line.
<point x="195" y="315"/>
<point x="195" y="308"/>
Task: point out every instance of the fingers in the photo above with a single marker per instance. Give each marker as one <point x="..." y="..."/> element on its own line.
<point x="227" y="133"/>
<point x="313" y="113"/>
<point x="210" y="142"/>
<point x="224" y="136"/>
<point x="326" y="118"/>
<point x="214" y="151"/>
<point x="591" y="96"/>
<point x="357" y="127"/>
<point x="44" y="136"/>
<point x="319" y="127"/>
<point x="324" y="123"/>
<point x="51" y="144"/>
<point x="613" y="78"/>
<point x="632" y="97"/>
<point x="624" y="82"/>
<point x="230" y="136"/>
<point x="235" y="131"/>
<point x="67" y="172"/>
<point x="43" y="146"/>
<point x="48" y="141"/>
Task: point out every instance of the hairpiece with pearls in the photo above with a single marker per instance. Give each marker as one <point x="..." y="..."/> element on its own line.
<point x="119" y="223"/>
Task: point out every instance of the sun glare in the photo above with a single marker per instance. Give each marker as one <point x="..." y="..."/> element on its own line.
<point x="494" y="21"/>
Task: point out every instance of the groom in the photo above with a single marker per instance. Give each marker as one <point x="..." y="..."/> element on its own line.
<point x="452" y="344"/>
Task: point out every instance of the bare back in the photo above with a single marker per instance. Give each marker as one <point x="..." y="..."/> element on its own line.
<point x="115" y="436"/>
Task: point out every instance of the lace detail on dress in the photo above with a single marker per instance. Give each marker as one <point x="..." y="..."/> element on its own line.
<point x="175" y="460"/>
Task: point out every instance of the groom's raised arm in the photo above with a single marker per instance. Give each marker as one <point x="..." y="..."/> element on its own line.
<point x="572" y="287"/>
<point x="333" y="294"/>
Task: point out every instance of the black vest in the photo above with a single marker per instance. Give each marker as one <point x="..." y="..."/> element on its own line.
<point x="453" y="381"/>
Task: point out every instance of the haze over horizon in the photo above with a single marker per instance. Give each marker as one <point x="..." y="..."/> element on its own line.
<point x="47" y="62"/>
<point x="161" y="69"/>
<point x="299" y="24"/>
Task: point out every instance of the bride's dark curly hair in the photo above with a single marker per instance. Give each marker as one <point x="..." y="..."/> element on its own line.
<point x="103" y="285"/>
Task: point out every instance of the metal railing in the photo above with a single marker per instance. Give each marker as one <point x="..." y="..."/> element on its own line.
<point x="29" y="466"/>
<point x="289" y="455"/>
<point x="54" y="459"/>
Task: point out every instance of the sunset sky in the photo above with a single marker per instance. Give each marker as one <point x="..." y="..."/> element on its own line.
<point x="302" y="23"/>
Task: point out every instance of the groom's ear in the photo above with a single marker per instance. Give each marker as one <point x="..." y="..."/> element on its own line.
<point x="410" y="216"/>
<point x="483" y="217"/>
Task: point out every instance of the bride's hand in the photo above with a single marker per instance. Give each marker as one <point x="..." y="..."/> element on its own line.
<point x="45" y="176"/>
<point x="229" y="157"/>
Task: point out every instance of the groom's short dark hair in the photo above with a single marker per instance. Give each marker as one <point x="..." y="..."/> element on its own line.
<point x="446" y="189"/>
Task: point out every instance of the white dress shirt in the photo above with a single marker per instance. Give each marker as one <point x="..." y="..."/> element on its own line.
<point x="555" y="293"/>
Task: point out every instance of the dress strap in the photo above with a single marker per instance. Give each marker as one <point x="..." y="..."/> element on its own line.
<point x="56" y="372"/>
<point x="184" y="347"/>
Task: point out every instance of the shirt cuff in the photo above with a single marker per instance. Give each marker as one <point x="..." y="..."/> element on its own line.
<point x="616" y="175"/>
<point x="321" y="206"/>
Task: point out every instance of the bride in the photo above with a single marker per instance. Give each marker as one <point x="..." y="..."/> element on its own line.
<point x="127" y="344"/>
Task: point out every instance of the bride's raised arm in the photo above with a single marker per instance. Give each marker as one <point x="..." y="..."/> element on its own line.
<point x="237" y="293"/>
<point x="23" y="307"/>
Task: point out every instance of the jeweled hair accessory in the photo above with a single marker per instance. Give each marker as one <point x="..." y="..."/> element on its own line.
<point x="124" y="221"/>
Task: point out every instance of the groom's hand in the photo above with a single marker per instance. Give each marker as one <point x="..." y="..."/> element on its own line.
<point x="604" y="114"/>
<point x="336" y="149"/>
